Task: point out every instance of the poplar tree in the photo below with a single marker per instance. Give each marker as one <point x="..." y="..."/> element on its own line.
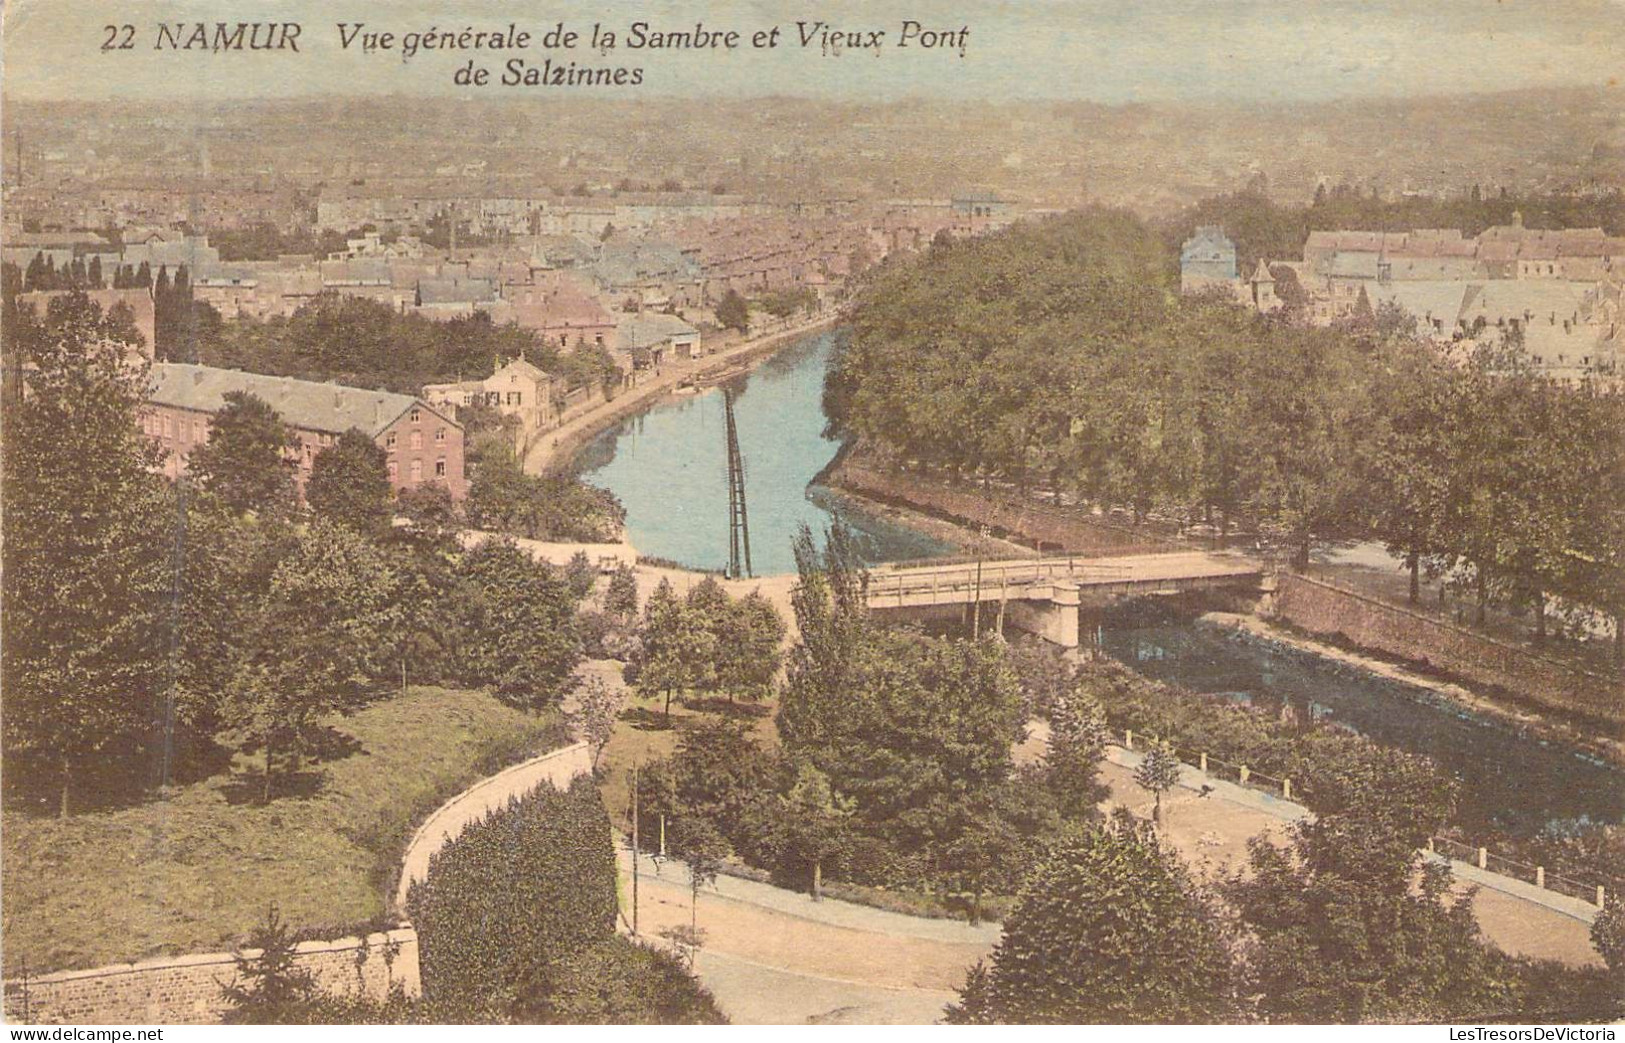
<point x="86" y="554"/>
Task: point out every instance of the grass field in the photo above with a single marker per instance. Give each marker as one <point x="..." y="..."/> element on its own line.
<point x="196" y="871"/>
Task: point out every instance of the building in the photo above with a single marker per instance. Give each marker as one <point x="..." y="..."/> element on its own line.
<point x="1207" y="259"/>
<point x="424" y="444"/>
<point x="517" y="389"/>
<point x="653" y="338"/>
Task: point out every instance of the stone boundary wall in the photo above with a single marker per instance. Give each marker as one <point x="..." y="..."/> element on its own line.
<point x="1324" y="608"/>
<point x="1026" y="520"/>
<point x="185" y="990"/>
<point x="559" y="767"/>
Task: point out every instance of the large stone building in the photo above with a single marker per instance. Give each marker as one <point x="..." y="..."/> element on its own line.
<point x="424" y="444"/>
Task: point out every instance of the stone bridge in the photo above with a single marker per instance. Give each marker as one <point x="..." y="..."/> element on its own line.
<point x="1045" y="595"/>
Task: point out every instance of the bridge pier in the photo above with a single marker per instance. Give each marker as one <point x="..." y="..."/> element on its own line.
<point x="1053" y="618"/>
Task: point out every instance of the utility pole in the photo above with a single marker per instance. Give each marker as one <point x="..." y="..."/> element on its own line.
<point x="738" y="524"/>
<point x="635" y="853"/>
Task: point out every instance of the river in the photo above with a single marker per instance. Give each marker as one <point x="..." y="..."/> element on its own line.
<point x="668" y="467"/>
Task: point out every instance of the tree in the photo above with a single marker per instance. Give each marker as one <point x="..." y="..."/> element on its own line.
<point x="1076" y="950"/>
<point x="748" y="639"/>
<point x="910" y="728"/>
<point x="988" y="851"/>
<point x="621" y="597"/>
<point x="1158" y="772"/>
<point x="246" y="462"/>
<point x="86" y="546"/>
<point x="516" y="626"/>
<point x="600" y="707"/>
<point x="334" y="618"/>
<point x="270" y="988"/>
<point x="814" y="817"/>
<point x="1352" y="925"/>
<point x="703" y="849"/>
<point x="580" y="574"/>
<point x="349" y="484"/>
<point x="1077" y="742"/>
<point x="678" y="649"/>
<point x="732" y="312"/>
<point x="1608" y="935"/>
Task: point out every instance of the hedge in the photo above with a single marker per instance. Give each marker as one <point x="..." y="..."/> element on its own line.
<point x="512" y="898"/>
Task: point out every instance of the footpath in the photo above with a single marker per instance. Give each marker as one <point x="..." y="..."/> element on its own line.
<point x="553" y="449"/>
<point x="776" y="957"/>
<point x="1209" y="820"/>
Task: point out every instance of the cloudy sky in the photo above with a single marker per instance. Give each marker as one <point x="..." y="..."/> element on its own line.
<point x="1102" y="50"/>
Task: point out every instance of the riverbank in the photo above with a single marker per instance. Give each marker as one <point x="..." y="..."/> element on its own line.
<point x="1539" y="726"/>
<point x="554" y="450"/>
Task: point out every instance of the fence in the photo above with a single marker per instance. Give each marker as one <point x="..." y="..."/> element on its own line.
<point x="1482" y="857"/>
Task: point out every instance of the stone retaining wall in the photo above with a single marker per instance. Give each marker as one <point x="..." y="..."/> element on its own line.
<point x="185" y="990"/>
<point x="559" y="767"/>
<point x="1323" y="608"/>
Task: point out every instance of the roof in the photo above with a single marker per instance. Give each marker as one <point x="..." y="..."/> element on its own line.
<point x="1426" y="300"/>
<point x="304" y="404"/>
<point x="642" y="331"/>
<point x="455" y="291"/>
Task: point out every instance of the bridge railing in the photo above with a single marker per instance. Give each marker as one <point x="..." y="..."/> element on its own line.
<point x="989" y="579"/>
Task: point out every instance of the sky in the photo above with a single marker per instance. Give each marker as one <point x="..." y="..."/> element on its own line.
<point x="1110" y="51"/>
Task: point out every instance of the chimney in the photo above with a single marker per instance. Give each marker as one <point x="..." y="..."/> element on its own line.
<point x="338" y="399"/>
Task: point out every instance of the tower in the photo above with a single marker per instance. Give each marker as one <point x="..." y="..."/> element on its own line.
<point x="738" y="523"/>
<point x="1263" y="284"/>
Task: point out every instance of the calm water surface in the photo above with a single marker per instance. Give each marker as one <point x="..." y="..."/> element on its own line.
<point x="1511" y="781"/>
<point x="669" y="467"/>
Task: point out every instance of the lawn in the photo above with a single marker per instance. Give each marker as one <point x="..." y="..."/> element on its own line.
<point x="196" y="871"/>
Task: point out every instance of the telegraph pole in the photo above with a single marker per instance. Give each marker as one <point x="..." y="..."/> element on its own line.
<point x="738" y="523"/>
<point x="634" y="851"/>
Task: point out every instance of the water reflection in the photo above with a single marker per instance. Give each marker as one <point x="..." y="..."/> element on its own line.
<point x="669" y="467"/>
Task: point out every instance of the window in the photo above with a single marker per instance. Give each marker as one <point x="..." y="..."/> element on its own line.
<point x="389" y="442"/>
<point x="439" y="435"/>
<point x="197" y="430"/>
<point x="417" y="415"/>
<point x="394" y="468"/>
<point x="515" y="398"/>
<point x="169" y="427"/>
<point x="417" y="470"/>
<point x="598" y="339"/>
<point x="440" y="468"/>
<point x="417" y="439"/>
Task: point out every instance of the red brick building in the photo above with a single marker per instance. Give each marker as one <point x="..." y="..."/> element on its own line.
<point x="423" y="443"/>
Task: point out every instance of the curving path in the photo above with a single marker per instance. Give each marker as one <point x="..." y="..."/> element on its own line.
<point x="776" y="957"/>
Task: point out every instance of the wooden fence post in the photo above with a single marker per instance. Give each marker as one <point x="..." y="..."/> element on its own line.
<point x="1286" y="789"/>
<point x="1204" y="764"/>
<point x="1601" y="894"/>
<point x="1128" y="738"/>
<point x="1245" y="774"/>
<point x="1483" y="858"/>
<point x="1540" y="876"/>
